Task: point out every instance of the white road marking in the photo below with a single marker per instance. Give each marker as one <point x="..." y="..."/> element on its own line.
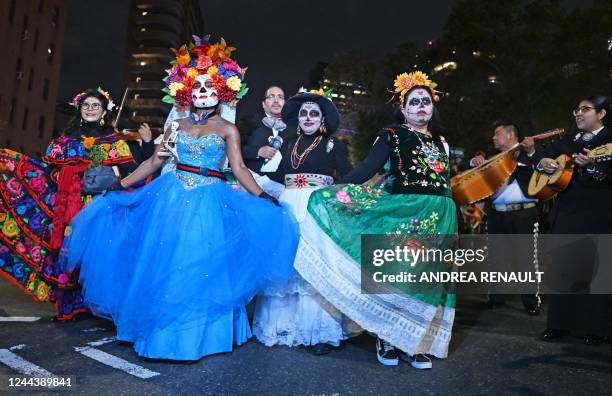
<point x="19" y="318"/>
<point x="116" y="362"/>
<point x="94" y="329"/>
<point x="21" y="365"/>
<point x="102" y="341"/>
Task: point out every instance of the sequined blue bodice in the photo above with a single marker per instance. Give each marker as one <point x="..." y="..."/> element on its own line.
<point x="207" y="151"/>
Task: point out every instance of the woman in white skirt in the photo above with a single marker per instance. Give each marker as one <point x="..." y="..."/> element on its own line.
<point x="295" y="314"/>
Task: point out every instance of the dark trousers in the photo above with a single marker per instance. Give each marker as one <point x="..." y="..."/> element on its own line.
<point x="507" y="223"/>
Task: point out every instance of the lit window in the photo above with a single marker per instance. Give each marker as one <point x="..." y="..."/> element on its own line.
<point x="142" y="29"/>
<point x="143" y="63"/>
<point x="144" y="13"/>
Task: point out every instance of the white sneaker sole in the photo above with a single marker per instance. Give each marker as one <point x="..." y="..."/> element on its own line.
<point x="421" y="365"/>
<point x="417" y="365"/>
<point x="387" y="362"/>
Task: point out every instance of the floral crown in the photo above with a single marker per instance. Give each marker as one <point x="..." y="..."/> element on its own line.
<point x="201" y="57"/>
<point x="405" y="82"/>
<point x="326" y="94"/>
<point x="76" y="101"/>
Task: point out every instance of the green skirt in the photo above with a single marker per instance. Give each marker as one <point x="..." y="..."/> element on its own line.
<point x="414" y="318"/>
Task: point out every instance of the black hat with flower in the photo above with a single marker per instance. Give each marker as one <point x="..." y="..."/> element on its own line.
<point x="292" y="106"/>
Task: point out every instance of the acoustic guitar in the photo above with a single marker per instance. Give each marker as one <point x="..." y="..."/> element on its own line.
<point x="545" y="186"/>
<point x="481" y="182"/>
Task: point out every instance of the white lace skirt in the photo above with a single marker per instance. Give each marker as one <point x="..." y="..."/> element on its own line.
<point x="295" y="314"/>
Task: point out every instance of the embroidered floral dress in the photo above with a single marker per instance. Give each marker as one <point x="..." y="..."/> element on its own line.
<point x="37" y="200"/>
<point x="414" y="204"/>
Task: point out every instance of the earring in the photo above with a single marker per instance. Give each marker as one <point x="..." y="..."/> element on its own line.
<point x="323" y="128"/>
<point x="101" y="121"/>
<point x="299" y="131"/>
<point x="81" y="123"/>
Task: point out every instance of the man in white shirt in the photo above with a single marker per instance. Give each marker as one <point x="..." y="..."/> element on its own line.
<point x="512" y="210"/>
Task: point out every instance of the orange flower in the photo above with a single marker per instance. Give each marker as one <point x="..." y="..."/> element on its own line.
<point x="182" y="56"/>
<point x="88" y="142"/>
<point x="42" y="292"/>
<point x="220" y="51"/>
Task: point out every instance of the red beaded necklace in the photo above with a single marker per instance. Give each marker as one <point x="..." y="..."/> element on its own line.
<point x="298" y="159"/>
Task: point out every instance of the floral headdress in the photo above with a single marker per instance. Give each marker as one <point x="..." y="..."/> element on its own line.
<point x="405" y="82"/>
<point x="76" y="101"/>
<point x="201" y="57"/>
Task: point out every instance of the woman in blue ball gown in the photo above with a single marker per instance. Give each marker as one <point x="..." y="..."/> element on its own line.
<point x="174" y="263"/>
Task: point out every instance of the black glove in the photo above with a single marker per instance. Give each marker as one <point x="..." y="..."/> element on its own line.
<point x="99" y="179"/>
<point x="269" y="197"/>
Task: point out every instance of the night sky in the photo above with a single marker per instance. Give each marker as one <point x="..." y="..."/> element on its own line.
<point x="279" y="41"/>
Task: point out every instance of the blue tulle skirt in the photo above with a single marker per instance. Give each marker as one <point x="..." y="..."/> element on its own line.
<point x="174" y="267"/>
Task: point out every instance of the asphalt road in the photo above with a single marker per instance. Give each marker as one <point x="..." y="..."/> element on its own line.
<point x="492" y="351"/>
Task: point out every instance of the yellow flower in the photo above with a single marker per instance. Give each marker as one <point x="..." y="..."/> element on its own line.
<point x="2" y="217"/>
<point x="234" y="83"/>
<point x="212" y="70"/>
<point x="123" y="149"/>
<point x="175" y="86"/>
<point x="106" y="146"/>
<point x="404" y="82"/>
<point x="192" y="72"/>
<point x="318" y="91"/>
<point x="88" y="142"/>
<point x="42" y="292"/>
<point x="10" y="228"/>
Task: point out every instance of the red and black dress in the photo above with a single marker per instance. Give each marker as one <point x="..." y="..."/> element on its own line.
<point x="37" y="201"/>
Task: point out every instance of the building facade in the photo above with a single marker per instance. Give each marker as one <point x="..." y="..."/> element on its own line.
<point x="32" y="47"/>
<point x="154" y="27"/>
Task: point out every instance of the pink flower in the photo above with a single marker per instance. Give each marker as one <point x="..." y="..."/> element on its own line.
<point x="56" y="151"/>
<point x="38" y="184"/>
<point x="229" y="64"/>
<point x="204" y="62"/>
<point x="343" y="196"/>
<point x="20" y="247"/>
<point x="300" y="181"/>
<point x="62" y="279"/>
<point x="424" y="183"/>
<point x="112" y="153"/>
<point x="10" y="165"/>
<point x="35" y="253"/>
<point x="14" y="186"/>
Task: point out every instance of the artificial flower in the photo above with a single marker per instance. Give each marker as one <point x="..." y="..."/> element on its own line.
<point x="234" y="83"/>
<point x="88" y="142"/>
<point x="174" y="87"/>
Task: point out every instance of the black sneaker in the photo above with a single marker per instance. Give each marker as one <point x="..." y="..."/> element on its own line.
<point x="418" y="361"/>
<point x="386" y="353"/>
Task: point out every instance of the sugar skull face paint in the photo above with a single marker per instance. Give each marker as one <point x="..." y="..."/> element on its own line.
<point x="204" y="94"/>
<point x="418" y="108"/>
<point x="310" y="117"/>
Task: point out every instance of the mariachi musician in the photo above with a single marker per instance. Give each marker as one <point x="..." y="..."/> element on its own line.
<point x="512" y="210"/>
<point x="582" y="208"/>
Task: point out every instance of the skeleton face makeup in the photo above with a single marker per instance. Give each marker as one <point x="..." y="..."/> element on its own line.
<point x="418" y="108"/>
<point x="204" y="94"/>
<point x="310" y="117"/>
